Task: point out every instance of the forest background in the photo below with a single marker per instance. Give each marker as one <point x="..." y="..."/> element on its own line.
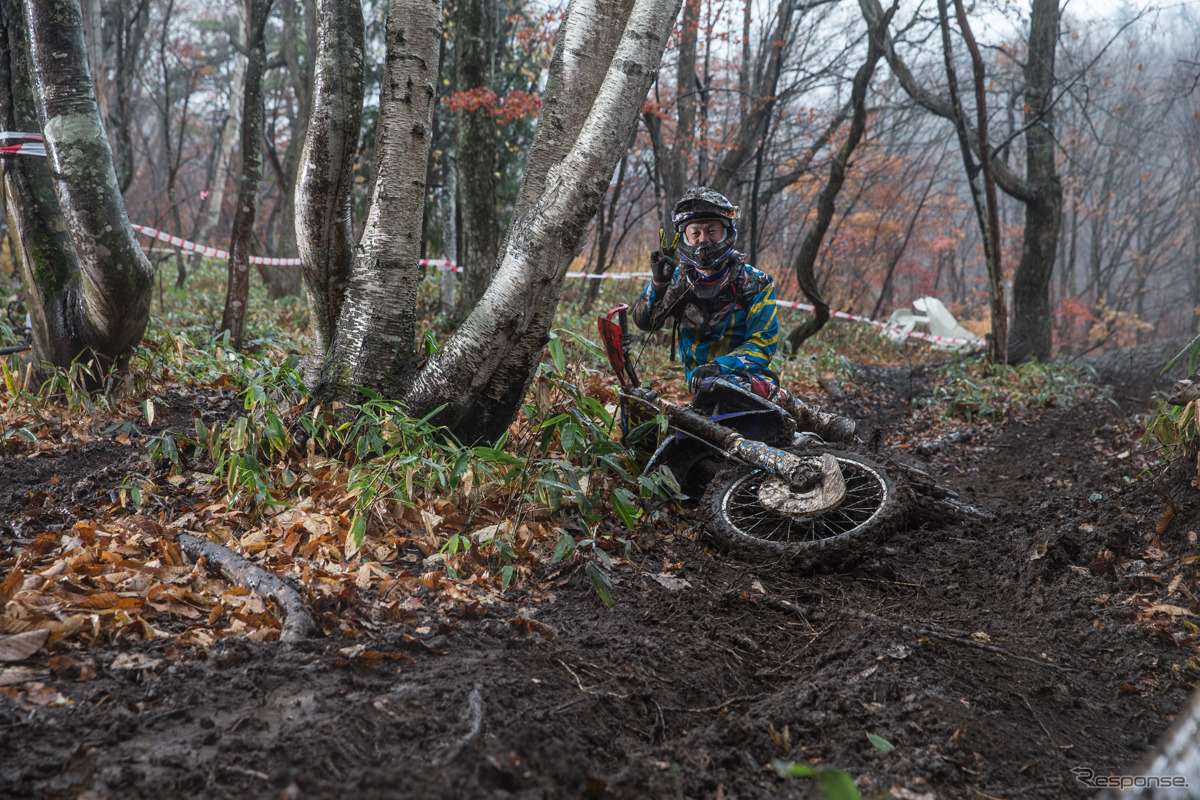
<point x="242" y="124"/>
<point x="748" y="99"/>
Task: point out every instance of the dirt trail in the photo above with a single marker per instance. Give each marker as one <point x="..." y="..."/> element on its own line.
<point x="988" y="654"/>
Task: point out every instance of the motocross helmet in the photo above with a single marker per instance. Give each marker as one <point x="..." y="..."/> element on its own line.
<point x="698" y="204"/>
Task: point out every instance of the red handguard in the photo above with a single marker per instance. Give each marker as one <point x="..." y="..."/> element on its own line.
<point x="611" y="334"/>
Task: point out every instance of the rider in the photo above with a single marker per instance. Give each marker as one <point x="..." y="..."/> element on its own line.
<point x="723" y="309"/>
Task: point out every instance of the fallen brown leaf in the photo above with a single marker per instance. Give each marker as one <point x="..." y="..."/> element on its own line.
<point x="20" y="646"/>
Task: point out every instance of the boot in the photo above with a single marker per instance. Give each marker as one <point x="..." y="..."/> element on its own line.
<point x="830" y="427"/>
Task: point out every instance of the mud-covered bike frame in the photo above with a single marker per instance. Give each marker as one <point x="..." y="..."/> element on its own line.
<point x="765" y="485"/>
<point x="726" y="422"/>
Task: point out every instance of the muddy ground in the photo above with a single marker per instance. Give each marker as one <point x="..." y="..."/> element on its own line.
<point x="995" y="656"/>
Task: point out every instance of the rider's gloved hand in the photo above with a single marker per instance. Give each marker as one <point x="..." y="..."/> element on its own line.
<point x="662" y="267"/>
<point x="702" y="373"/>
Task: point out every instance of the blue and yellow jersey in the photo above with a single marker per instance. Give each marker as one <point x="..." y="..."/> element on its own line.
<point x="736" y="328"/>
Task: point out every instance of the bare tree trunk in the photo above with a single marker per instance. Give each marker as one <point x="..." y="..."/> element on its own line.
<point x="1040" y="190"/>
<point x="744" y="70"/>
<point x="677" y="160"/>
<point x="130" y="22"/>
<point x="324" y="212"/>
<point x="979" y="176"/>
<point x="753" y="127"/>
<point x="88" y="281"/>
<point x="599" y="75"/>
<point x="237" y="291"/>
<point x="1032" y="331"/>
<point x="889" y="278"/>
<point x="374" y="345"/>
<point x="605" y="222"/>
<point x="171" y="155"/>
<point x="806" y="258"/>
<point x="44" y="253"/>
<point x="476" y="143"/>
<point x="283" y="280"/>
<point x="582" y="53"/>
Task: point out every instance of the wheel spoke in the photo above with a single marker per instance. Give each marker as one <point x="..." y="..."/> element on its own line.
<point x="866" y="491"/>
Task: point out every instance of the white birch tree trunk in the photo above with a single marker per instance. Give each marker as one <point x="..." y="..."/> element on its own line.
<point x="606" y="58"/>
<point x="96" y="303"/>
<point x="374" y="345"/>
<point x="325" y="180"/>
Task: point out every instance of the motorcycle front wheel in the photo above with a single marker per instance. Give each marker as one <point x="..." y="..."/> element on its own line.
<point x="738" y="516"/>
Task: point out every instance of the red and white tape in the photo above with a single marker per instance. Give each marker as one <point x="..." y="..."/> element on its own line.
<point x="610" y="276"/>
<point x="37" y="147"/>
<point x="449" y="266"/>
<point x="213" y="252"/>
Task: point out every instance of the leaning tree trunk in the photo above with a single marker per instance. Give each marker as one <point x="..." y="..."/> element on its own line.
<point x="237" y="291"/>
<point x="374" y="345"/>
<point x="806" y="257"/>
<point x="604" y="62"/>
<point x="88" y="283"/>
<point x="324" y="212"/>
<point x="606" y="57"/>
<point x="476" y="160"/>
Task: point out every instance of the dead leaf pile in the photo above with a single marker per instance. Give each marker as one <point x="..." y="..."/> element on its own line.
<point x="110" y="581"/>
<point x="116" y="575"/>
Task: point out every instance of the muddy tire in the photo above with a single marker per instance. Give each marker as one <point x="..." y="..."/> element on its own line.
<point x="873" y="506"/>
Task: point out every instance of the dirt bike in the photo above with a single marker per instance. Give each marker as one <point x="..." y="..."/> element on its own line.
<point x="765" y="484"/>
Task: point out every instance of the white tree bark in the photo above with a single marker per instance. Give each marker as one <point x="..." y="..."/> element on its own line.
<point x="583" y="53"/>
<point x="104" y="307"/>
<point x="484" y="370"/>
<point x="606" y="58"/>
<point x="375" y="341"/>
<point x="325" y="180"/>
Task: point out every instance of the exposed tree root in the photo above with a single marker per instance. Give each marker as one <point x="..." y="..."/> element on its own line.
<point x="298" y="622"/>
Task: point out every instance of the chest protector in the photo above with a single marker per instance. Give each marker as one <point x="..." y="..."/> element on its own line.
<point x="708" y="309"/>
